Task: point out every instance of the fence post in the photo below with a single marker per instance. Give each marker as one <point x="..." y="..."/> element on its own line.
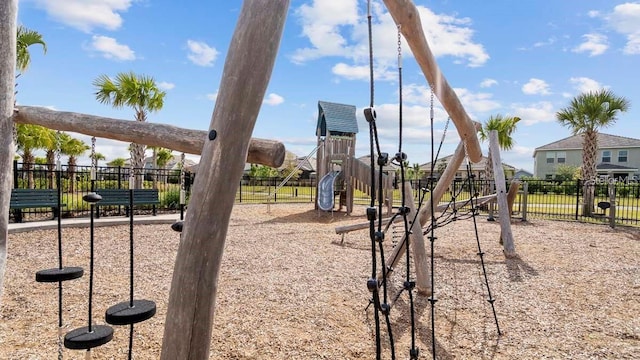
<point x="612" y="201"/>
<point x="578" y="187"/>
<point x="15" y="174"/>
<point x="240" y="190"/>
<point x="525" y="193"/>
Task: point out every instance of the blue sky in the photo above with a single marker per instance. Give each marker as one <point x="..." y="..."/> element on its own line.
<point x="519" y="58"/>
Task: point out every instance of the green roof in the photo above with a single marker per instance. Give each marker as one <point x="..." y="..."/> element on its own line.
<point x="338" y="119"/>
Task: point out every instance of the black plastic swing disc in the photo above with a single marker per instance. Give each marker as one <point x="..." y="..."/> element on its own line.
<point x="82" y="339"/>
<point x="177" y="226"/>
<point x="57" y="274"/>
<point x="92" y="197"/>
<point x="125" y="314"/>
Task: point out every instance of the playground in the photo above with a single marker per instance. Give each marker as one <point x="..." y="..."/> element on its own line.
<point x="289" y="288"/>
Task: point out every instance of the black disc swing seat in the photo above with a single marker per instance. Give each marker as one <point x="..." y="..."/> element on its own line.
<point x="127" y="313"/>
<point x="92" y="335"/>
<point x="59" y="274"/>
<point x="88" y="337"/>
<point x="131" y="311"/>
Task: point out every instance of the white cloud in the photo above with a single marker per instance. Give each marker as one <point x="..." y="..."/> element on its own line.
<point x="336" y="28"/>
<point x="212" y="96"/>
<point x="321" y="24"/>
<point x="87" y="14"/>
<point x="539" y="112"/>
<point x="593" y="13"/>
<point x="351" y="72"/>
<point x="625" y="19"/>
<point x="487" y="83"/>
<point x="273" y="99"/>
<point x="201" y="54"/>
<point x="549" y="41"/>
<point x="536" y="87"/>
<point x="585" y="84"/>
<point x="476" y="102"/>
<point x="163" y="85"/>
<point x="111" y="49"/>
<point x="594" y="44"/>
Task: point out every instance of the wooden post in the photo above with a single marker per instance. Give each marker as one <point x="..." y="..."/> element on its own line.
<point x="261" y="151"/>
<point x="245" y="77"/>
<point x="511" y="198"/>
<point x="501" y="192"/>
<point x="8" y="33"/>
<point x="405" y="14"/>
<point x="420" y="258"/>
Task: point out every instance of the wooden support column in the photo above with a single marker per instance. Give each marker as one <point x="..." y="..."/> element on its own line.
<point x="8" y="33"/>
<point x="420" y="257"/>
<point x="245" y="77"/>
<point x="511" y="198"/>
<point x="261" y="151"/>
<point x="405" y="14"/>
<point x="501" y="192"/>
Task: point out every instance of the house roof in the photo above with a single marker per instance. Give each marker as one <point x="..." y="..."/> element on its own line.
<point x="336" y="118"/>
<point x="611" y="167"/>
<point x="474" y="166"/>
<point x="605" y="141"/>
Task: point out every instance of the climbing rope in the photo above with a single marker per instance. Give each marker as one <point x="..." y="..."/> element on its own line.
<point x="490" y="299"/>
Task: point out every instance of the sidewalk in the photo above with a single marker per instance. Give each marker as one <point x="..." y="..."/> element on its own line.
<point x="84" y="222"/>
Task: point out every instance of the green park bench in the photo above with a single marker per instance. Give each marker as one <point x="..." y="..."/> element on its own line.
<point x="120" y="197"/>
<point x="32" y="199"/>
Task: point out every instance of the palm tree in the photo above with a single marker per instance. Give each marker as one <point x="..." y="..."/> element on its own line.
<point x="26" y="38"/>
<point x="30" y="138"/>
<point x="139" y="92"/>
<point x="51" y="149"/>
<point x="117" y="162"/>
<point x="73" y="148"/>
<point x="163" y="157"/>
<point x="586" y="114"/>
<point x="505" y="126"/>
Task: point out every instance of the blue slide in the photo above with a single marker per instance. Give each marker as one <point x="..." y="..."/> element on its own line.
<point x="326" y="188"/>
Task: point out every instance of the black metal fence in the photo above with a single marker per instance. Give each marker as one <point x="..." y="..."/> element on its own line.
<point x="615" y="202"/>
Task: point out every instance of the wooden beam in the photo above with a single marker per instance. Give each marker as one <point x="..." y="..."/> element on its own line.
<point x="8" y="33"/>
<point x="245" y="78"/>
<point x="261" y="151"/>
<point x="501" y="191"/>
<point x="405" y="14"/>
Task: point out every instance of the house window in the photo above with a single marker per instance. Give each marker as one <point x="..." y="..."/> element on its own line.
<point x="622" y="155"/>
<point x="548" y="176"/>
<point x="561" y="156"/>
<point x="550" y="157"/>
<point x="606" y="156"/>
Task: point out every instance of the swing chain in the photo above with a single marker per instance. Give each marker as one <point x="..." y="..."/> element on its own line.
<point x="400" y="46"/>
<point x="182" y="181"/>
<point x="58" y="150"/>
<point x="94" y="160"/>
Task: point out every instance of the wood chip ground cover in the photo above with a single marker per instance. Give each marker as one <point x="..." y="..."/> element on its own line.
<point x="290" y="289"/>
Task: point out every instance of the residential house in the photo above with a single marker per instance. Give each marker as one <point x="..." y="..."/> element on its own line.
<point x="618" y="156"/>
<point x="477" y="169"/>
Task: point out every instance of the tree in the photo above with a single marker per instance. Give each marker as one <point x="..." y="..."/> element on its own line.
<point x="117" y="162"/>
<point x="161" y="157"/>
<point x="26" y="38"/>
<point x="586" y="114"/>
<point x="73" y="148"/>
<point x="505" y="126"/>
<point x="30" y="138"/>
<point x="139" y="92"/>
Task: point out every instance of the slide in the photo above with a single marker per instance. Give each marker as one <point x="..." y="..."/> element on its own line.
<point x="325" y="191"/>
